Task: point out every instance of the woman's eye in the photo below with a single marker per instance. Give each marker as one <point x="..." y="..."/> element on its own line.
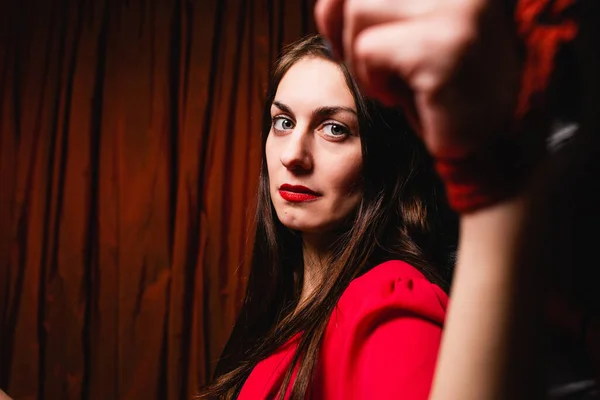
<point x="283" y="124"/>
<point x="335" y="130"/>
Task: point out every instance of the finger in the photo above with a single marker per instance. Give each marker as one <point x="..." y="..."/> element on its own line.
<point x="386" y="58"/>
<point x="386" y="53"/>
<point x="415" y="53"/>
<point x="329" y="18"/>
<point x="363" y="14"/>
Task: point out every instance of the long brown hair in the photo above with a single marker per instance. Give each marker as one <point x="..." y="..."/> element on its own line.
<point x="399" y="217"/>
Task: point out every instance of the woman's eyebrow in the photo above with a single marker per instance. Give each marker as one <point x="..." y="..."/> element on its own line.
<point x="283" y="107"/>
<point x="319" y="112"/>
<point x="332" y="110"/>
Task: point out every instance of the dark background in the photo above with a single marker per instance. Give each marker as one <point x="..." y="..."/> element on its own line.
<point x="129" y="154"/>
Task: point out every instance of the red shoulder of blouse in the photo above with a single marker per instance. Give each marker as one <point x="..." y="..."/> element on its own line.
<point x="381" y="341"/>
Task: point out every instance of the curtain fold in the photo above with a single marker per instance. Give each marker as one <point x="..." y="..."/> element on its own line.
<point x="129" y="157"/>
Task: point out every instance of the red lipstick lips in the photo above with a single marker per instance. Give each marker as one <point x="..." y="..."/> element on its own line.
<point x="297" y="193"/>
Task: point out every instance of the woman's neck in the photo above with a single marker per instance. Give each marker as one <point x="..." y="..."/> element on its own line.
<point x="315" y="251"/>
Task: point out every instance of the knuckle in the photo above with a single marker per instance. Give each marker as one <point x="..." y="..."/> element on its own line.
<point x="363" y="47"/>
<point x="354" y="10"/>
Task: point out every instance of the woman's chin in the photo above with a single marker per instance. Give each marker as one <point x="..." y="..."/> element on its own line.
<point x="301" y="227"/>
<point x="297" y="223"/>
<point x="307" y="227"/>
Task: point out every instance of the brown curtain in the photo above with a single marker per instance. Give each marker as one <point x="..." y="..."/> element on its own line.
<point x="129" y="155"/>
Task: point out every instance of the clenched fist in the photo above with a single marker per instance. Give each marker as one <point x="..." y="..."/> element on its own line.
<point x="452" y="64"/>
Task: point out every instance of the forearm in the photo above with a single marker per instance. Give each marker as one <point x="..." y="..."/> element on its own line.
<point x="482" y="350"/>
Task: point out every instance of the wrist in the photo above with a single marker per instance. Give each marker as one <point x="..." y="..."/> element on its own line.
<point x="489" y="175"/>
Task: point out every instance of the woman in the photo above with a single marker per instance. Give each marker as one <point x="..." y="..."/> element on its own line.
<point x="349" y="257"/>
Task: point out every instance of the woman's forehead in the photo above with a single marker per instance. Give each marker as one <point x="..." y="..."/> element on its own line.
<point x="314" y="82"/>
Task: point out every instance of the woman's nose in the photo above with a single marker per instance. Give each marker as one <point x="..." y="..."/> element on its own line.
<point x="296" y="154"/>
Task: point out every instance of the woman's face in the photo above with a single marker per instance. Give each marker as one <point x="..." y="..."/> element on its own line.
<point x="313" y="150"/>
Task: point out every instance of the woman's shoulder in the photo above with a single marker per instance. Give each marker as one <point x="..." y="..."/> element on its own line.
<point x="394" y="285"/>
<point x="383" y="337"/>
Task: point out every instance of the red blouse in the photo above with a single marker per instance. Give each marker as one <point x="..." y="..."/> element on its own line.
<point x="381" y="341"/>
